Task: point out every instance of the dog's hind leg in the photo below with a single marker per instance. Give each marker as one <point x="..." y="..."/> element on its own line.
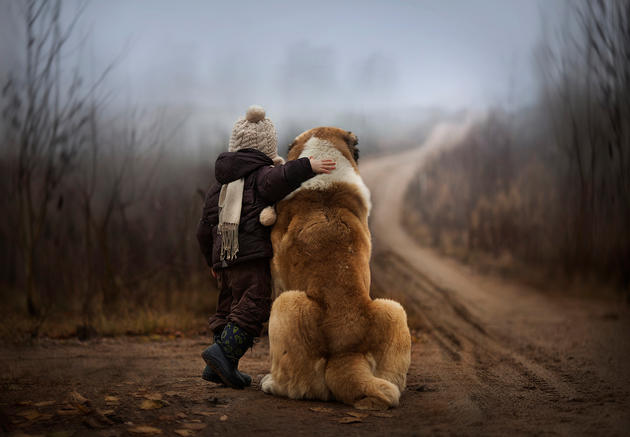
<point x="350" y="378"/>
<point x="297" y="363"/>
<point x="392" y="341"/>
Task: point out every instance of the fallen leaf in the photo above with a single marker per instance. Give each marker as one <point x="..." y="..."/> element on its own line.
<point x="205" y="413"/>
<point x="44" y="403"/>
<point x="350" y="420"/>
<point x="149" y="404"/>
<point x="78" y="398"/>
<point x="195" y="426"/>
<point x="83" y="408"/>
<point x="181" y="415"/>
<point x="223" y="418"/>
<point x="29" y="414"/>
<point x="171" y="393"/>
<point x="25" y="403"/>
<point x="112" y="399"/>
<point x="166" y="418"/>
<point x="153" y="396"/>
<point x="379" y="414"/>
<point x="143" y="429"/>
<point x="183" y="432"/>
<point x="67" y="410"/>
<point x="107" y="412"/>
<point x="321" y="409"/>
<point x="357" y="415"/>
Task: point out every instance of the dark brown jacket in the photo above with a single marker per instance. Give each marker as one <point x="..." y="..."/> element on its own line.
<point x="264" y="186"/>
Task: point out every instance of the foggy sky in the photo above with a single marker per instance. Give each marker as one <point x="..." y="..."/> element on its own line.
<point x="312" y="56"/>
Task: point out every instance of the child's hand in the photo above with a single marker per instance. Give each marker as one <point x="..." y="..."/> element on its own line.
<point x="213" y="273"/>
<point x="322" y="166"/>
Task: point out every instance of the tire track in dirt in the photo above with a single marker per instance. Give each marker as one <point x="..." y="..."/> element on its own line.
<point x="448" y="321"/>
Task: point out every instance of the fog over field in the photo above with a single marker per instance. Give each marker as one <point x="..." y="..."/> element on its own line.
<point x="389" y="61"/>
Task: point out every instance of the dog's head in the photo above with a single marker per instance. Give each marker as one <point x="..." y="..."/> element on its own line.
<point x="345" y="142"/>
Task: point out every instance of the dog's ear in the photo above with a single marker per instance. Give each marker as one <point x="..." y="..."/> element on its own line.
<point x="352" y="141"/>
<point x="292" y="145"/>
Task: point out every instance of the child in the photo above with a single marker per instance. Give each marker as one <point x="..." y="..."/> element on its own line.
<point x="237" y="246"/>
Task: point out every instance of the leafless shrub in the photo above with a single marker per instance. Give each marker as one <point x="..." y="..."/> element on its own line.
<point x="99" y="208"/>
<point x="45" y="123"/>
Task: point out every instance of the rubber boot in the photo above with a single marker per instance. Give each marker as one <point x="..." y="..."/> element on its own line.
<point x="223" y="356"/>
<point x="209" y="374"/>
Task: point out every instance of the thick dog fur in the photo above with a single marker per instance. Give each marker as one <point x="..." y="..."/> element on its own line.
<point x="329" y="339"/>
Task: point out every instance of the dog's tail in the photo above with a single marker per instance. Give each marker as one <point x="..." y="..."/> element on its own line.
<point x="352" y="381"/>
<point x="375" y="380"/>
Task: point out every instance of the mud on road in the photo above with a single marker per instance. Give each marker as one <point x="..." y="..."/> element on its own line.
<point x="489" y="357"/>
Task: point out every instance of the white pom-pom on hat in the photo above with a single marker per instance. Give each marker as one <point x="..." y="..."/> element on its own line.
<point x="255" y="114"/>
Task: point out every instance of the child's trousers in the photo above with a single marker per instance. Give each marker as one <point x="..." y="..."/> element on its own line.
<point x="244" y="296"/>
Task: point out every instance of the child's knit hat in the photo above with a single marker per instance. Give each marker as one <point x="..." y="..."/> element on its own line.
<point x="255" y="131"/>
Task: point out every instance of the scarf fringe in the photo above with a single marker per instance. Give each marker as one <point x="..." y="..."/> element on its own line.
<point x="229" y="240"/>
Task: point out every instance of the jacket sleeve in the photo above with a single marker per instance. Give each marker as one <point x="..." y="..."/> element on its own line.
<point x="274" y="183"/>
<point x="205" y="229"/>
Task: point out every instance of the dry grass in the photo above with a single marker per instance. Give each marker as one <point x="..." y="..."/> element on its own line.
<point x="167" y="312"/>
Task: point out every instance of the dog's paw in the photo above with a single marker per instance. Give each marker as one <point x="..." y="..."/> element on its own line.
<point x="266" y="383"/>
<point x="385" y="395"/>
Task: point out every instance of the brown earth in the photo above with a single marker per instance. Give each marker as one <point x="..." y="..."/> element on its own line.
<point x="490" y="357"/>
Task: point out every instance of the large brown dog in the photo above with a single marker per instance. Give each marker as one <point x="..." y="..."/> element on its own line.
<point x="328" y="338"/>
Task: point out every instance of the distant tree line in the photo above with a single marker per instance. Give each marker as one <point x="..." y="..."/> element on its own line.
<point x="548" y="185"/>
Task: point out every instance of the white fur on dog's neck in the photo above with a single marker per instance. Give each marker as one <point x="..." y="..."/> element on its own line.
<point x="345" y="172"/>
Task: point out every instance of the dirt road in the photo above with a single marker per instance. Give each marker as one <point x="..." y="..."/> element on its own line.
<point x="503" y="358"/>
<point x="489" y="358"/>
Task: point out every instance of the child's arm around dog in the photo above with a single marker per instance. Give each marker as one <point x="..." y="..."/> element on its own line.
<point x="275" y="183"/>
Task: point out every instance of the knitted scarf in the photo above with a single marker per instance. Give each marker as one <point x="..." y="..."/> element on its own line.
<point x="230" y="202"/>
